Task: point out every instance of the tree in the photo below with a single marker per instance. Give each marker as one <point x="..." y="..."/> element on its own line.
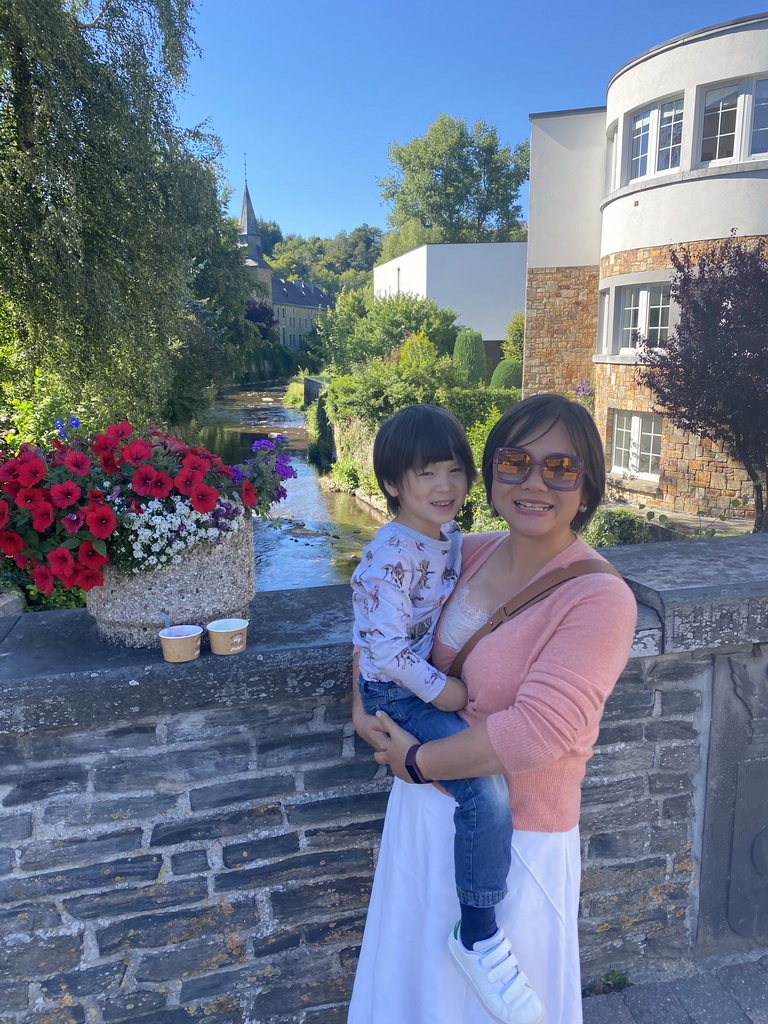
<point x="361" y="328"/>
<point x="711" y="377"/>
<point x="116" y="263"/>
<point x="270" y="235"/>
<point x="512" y="346"/>
<point x="469" y="356"/>
<point x="507" y="374"/>
<point x="459" y="181"/>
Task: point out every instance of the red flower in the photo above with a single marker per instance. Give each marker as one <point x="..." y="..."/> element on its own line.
<point x="9" y="470"/>
<point x="78" y="462"/>
<point x="135" y="452"/>
<point x="187" y="479"/>
<point x="43" y="578"/>
<point x="108" y="463"/>
<point x="42" y="516"/>
<point x="204" y="498"/>
<point x="103" y="444"/>
<point x="30" y="471"/>
<point x="197" y="463"/>
<point x="62" y="563"/>
<point x="30" y="497"/>
<point x="96" y="496"/>
<point x="248" y="494"/>
<point x="74" y="520"/>
<point x="161" y="486"/>
<point x="12" y="488"/>
<point x="90" y="557"/>
<point x="4" y="513"/>
<point x="21" y="561"/>
<point x="10" y="543"/>
<point x="222" y="467"/>
<point x="119" y="431"/>
<point x="101" y="521"/>
<point x="142" y="479"/>
<point x="86" y="578"/>
<point x="66" y="494"/>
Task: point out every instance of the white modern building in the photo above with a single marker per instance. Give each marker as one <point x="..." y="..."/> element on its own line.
<point x="678" y="156"/>
<point x="483" y="281"/>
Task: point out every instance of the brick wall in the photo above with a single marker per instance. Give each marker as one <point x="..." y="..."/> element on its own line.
<point x="696" y="474"/>
<point x="560" y="328"/>
<point x="185" y="843"/>
<point x="213" y="865"/>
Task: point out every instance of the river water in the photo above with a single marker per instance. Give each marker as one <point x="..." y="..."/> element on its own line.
<point x="320" y="533"/>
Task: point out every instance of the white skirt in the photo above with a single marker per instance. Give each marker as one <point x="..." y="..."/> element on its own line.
<point x="405" y="974"/>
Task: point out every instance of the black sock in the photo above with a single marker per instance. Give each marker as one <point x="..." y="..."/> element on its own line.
<point x="477" y="923"/>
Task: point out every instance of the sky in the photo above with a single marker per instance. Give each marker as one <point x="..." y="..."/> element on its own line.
<point x="313" y="92"/>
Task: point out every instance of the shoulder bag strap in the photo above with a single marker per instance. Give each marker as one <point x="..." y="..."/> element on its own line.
<point x="529" y="596"/>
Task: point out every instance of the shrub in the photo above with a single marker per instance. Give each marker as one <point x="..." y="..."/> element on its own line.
<point x="512" y="346"/>
<point x="508" y="374"/>
<point x="611" y="526"/>
<point x="469" y="356"/>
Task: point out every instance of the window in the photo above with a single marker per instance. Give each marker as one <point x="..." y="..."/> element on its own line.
<point x="734" y="121"/>
<point x="656" y="135"/>
<point x="643" y="312"/>
<point x="637" y="444"/>
<point x="719" y="131"/>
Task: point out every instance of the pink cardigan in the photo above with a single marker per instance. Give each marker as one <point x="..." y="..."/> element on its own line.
<point x="541" y="681"/>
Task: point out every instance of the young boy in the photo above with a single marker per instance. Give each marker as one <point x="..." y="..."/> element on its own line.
<point x="424" y="467"/>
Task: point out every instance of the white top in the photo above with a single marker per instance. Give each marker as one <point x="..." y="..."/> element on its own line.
<point x="403" y="580"/>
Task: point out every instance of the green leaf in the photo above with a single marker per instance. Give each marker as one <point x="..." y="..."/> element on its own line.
<point x="100" y="546"/>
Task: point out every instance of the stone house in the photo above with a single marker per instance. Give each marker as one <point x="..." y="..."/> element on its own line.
<point x="678" y="155"/>
<point x="296" y="304"/>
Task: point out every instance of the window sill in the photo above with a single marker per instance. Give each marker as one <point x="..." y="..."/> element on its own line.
<point x="719" y="170"/>
<point x="619" y="358"/>
<point x="630" y="483"/>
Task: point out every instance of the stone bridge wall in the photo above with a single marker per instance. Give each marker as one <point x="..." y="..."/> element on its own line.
<point x="196" y="842"/>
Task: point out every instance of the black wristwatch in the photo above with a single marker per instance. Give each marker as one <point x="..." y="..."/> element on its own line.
<point x="412" y="768"/>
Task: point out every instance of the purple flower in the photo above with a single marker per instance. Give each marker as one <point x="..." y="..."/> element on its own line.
<point x="237" y="474"/>
<point x="74" y="421"/>
<point x="259" y="445"/>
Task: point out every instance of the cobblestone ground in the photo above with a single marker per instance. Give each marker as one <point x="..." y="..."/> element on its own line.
<point x="730" y="994"/>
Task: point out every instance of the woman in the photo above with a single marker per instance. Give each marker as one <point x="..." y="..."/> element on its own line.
<point x="537" y="687"/>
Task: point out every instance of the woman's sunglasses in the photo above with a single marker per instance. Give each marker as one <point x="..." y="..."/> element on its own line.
<point x="560" y="472"/>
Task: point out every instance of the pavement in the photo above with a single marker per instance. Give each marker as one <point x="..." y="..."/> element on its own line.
<point x="729" y="993"/>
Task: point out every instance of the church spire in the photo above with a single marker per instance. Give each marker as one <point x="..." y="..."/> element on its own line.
<point x="250" y="236"/>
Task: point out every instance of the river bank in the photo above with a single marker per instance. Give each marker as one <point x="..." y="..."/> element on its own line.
<point x="318" y="532"/>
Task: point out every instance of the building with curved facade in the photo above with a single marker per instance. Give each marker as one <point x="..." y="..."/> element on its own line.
<point x="678" y="156"/>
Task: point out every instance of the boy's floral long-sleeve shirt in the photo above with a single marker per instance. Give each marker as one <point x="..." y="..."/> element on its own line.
<point x="403" y="581"/>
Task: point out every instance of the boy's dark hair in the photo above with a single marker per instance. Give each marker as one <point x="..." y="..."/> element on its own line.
<point x="414" y="437"/>
<point x="533" y="417"/>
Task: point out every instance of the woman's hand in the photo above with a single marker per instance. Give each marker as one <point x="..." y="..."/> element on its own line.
<point x="394" y="743"/>
<point x="370" y="728"/>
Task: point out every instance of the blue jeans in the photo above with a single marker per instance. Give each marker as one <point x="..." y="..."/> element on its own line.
<point x="482" y="846"/>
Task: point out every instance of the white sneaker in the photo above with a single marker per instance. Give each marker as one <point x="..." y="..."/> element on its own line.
<point x="497" y="981"/>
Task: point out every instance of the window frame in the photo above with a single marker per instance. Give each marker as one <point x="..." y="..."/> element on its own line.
<point x="636" y="432"/>
<point x="653" y="111"/>
<point x="642" y="328"/>
<point x="744" y="126"/>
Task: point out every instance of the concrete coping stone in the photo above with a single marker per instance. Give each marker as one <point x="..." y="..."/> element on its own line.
<point x="55" y="672"/>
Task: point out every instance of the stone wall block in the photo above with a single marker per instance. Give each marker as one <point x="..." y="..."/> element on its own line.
<point x="171" y="768"/>
<point x="157" y="930"/>
<point x="133" y="901"/>
<point x="232" y="823"/>
<point x="37" y="784"/>
<point x="270" y="848"/>
<point x="105" y="979"/>
<point x="16" y="826"/>
<point x="353" y="805"/>
<point x="95" y="876"/>
<point x="102" y="812"/>
<point x="241" y="791"/>
<point x="303" y="903"/>
<point x="290" y="869"/>
<point x="40" y="957"/>
<point x="79" y="850"/>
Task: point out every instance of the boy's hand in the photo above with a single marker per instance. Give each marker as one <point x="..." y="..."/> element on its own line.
<point x="453" y="696"/>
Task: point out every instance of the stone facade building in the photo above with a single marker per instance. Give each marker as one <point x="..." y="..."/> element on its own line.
<point x="679" y="155"/>
<point x="296" y="304"/>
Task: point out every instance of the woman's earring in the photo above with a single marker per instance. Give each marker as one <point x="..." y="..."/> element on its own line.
<point x="582" y="508"/>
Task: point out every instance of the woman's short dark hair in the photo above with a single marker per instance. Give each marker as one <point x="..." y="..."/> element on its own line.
<point x="414" y="437"/>
<point x="532" y="418"/>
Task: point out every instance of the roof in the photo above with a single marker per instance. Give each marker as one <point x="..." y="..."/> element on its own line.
<point x="298" y="293"/>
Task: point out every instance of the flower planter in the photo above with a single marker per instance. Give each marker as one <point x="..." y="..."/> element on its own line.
<point x="210" y="582"/>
